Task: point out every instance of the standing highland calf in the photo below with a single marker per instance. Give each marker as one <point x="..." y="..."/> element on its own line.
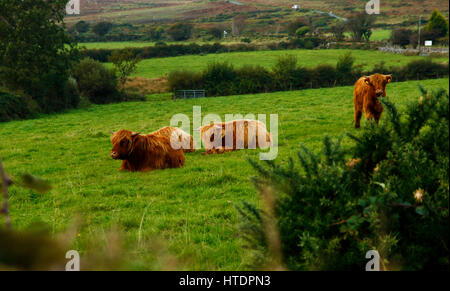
<point x="178" y="138"/>
<point x="220" y="138"/>
<point x="144" y="152"/>
<point x="365" y="96"/>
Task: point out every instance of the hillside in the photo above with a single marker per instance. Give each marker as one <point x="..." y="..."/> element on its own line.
<point x="144" y="11"/>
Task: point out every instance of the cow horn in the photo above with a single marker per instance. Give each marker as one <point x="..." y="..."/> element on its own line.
<point x="111" y="132"/>
<point x="135" y="134"/>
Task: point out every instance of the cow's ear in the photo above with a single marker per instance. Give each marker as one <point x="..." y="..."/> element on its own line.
<point x="367" y="80"/>
<point x="388" y="78"/>
<point x="135" y="134"/>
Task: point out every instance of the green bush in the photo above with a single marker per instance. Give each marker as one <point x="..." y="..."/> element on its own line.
<point x="96" y="82"/>
<point x="324" y="76"/>
<point x="184" y="80"/>
<point x="391" y="196"/>
<point x="400" y="36"/>
<point x="217" y="78"/>
<point x="285" y="72"/>
<point x="180" y="31"/>
<point x="344" y="69"/>
<point x="13" y="107"/>
<point x="252" y="79"/>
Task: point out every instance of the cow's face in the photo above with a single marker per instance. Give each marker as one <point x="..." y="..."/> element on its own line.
<point x="122" y="142"/>
<point x="378" y="83"/>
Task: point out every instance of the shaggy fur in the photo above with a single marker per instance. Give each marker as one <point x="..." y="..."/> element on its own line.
<point x="144" y="152"/>
<point x="243" y="133"/>
<point x="365" y="97"/>
<point x="185" y="140"/>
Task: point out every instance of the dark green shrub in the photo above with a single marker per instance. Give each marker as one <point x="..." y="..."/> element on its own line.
<point x="185" y="80"/>
<point x="180" y="31"/>
<point x="295" y="25"/>
<point x="13" y="107"/>
<point x="218" y="78"/>
<point x="82" y="26"/>
<point x="400" y="36"/>
<point x="324" y="76"/>
<point x="254" y="79"/>
<point x="344" y="70"/>
<point x="96" y="82"/>
<point x="102" y="28"/>
<point x="391" y="196"/>
<point x="424" y="69"/>
<point x="285" y="72"/>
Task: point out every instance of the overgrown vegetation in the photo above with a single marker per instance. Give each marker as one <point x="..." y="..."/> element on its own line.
<point x="391" y="196"/>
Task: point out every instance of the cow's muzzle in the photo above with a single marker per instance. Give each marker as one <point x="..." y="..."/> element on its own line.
<point x="114" y="155"/>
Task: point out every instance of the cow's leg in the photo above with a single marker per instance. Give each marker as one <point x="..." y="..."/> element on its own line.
<point x="358" y="115"/>
<point x="210" y="152"/>
<point x="377" y="115"/>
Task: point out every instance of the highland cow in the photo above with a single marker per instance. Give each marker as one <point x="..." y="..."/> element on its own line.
<point x="220" y="138"/>
<point x="144" y="152"/>
<point x="365" y="97"/>
<point x="178" y="138"/>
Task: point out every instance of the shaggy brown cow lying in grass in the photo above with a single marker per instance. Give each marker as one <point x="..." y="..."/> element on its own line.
<point x="181" y="138"/>
<point x="144" y="152"/>
<point x="365" y="96"/>
<point x="220" y="138"/>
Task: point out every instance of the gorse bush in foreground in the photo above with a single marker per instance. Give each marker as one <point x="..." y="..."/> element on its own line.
<point x="391" y="196"/>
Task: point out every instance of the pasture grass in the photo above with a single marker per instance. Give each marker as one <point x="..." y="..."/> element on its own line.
<point x="191" y="209"/>
<point x="157" y="67"/>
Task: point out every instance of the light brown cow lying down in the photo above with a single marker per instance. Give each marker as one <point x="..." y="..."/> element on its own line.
<point x="182" y="138"/>
<point x="223" y="137"/>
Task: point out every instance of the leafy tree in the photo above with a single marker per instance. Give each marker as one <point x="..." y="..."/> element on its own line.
<point x="36" y="53"/>
<point x="156" y="32"/>
<point x="96" y="82"/>
<point x="180" y="31"/>
<point x="125" y="63"/>
<point x="437" y="22"/>
<point x="400" y="36"/>
<point x="102" y="28"/>
<point x="338" y="31"/>
<point x="82" y="26"/>
<point x="391" y="196"/>
<point x="295" y="25"/>
<point x="345" y="70"/>
<point x="216" y="32"/>
<point x="360" y="26"/>
<point x="302" y="31"/>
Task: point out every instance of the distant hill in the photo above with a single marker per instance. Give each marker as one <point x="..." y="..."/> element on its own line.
<point x="144" y="11"/>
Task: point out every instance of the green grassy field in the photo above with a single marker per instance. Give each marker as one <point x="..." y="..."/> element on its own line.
<point x="192" y="208"/>
<point x="151" y="68"/>
<point x="380" y="34"/>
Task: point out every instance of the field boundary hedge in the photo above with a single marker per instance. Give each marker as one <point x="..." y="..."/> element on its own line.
<point x="222" y="79"/>
<point x="161" y="50"/>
